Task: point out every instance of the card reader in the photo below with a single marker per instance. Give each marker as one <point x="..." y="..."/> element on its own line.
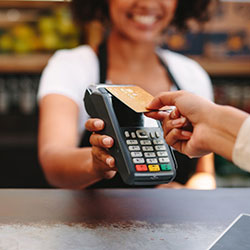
<point x="141" y="154"/>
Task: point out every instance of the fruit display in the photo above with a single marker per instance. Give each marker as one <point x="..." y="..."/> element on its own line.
<point x="50" y="30"/>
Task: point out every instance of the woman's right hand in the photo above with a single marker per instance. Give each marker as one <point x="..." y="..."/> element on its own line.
<point x="103" y="162"/>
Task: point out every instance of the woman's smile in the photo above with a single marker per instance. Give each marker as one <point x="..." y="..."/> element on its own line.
<point x="145" y="19"/>
<point x="141" y="20"/>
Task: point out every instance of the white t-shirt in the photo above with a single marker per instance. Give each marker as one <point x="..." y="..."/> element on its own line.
<point x="69" y="72"/>
<point x="241" y="151"/>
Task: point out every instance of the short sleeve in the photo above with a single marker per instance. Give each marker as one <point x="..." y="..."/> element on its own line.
<point x="68" y="73"/>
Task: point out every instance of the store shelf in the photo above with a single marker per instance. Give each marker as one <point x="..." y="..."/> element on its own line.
<point x="31" y="4"/>
<point x="225" y="67"/>
<point x="33" y="63"/>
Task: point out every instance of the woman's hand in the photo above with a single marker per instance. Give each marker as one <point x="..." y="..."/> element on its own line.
<point x="103" y="162"/>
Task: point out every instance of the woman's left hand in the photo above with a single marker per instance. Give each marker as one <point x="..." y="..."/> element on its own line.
<point x="103" y="162"/>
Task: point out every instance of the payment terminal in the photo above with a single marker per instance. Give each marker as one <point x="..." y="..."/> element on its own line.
<point x="141" y="154"/>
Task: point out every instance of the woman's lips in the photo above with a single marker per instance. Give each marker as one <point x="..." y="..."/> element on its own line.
<point x="145" y="19"/>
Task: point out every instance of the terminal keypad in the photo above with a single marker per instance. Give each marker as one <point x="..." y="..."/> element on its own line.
<point x="148" y="151"/>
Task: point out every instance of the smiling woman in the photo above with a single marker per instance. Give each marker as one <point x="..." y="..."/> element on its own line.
<point x="129" y="54"/>
<point x="85" y="11"/>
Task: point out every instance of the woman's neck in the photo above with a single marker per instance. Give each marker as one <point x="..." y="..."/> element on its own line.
<point x="126" y="53"/>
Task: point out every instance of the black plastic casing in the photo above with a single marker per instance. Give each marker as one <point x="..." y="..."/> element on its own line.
<point x="98" y="103"/>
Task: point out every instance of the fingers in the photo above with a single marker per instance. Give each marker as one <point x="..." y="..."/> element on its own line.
<point x="177" y="135"/>
<point x="94" y="124"/>
<point x="159" y="115"/>
<point x="164" y="99"/>
<point x="103" y="163"/>
<point x="103" y="141"/>
<point x="101" y="155"/>
<point x="109" y="174"/>
<point x="169" y="124"/>
<point x="175" y="114"/>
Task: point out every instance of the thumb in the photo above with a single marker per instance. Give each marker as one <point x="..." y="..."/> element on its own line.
<point x="163" y="99"/>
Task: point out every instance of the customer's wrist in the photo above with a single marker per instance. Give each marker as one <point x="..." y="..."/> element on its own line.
<point x="223" y="129"/>
<point x="230" y="120"/>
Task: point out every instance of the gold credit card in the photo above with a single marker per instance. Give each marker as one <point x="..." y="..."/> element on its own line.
<point x="133" y="96"/>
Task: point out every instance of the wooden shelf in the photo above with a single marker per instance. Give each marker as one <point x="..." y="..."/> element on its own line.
<point x="31" y="4"/>
<point x="30" y="16"/>
<point x="28" y="10"/>
<point x="225" y="67"/>
<point x="34" y="63"/>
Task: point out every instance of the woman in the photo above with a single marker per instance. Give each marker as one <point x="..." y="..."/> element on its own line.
<point x="129" y="54"/>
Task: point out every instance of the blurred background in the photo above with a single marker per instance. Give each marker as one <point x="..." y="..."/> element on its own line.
<point x="30" y="32"/>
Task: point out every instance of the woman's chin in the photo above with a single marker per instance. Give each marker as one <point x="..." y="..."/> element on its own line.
<point x="143" y="38"/>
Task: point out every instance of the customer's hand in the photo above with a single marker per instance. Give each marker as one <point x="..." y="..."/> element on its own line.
<point x="187" y="127"/>
<point x="103" y="162"/>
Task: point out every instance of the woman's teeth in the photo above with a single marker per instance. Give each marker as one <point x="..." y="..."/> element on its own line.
<point x="148" y="20"/>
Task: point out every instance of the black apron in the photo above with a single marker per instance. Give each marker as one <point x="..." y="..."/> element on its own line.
<point x="186" y="166"/>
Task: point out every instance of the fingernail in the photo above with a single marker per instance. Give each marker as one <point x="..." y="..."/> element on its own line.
<point x="173" y="114"/>
<point x="107" y="141"/>
<point x="98" y="124"/>
<point x="186" y="133"/>
<point x="109" y="162"/>
<point x="149" y="105"/>
<point x="178" y="121"/>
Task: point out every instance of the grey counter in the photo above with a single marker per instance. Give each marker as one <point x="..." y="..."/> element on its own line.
<point x="144" y="219"/>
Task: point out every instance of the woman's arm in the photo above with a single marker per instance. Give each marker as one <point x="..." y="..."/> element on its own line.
<point x="64" y="164"/>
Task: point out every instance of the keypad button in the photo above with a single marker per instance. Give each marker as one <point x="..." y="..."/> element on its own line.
<point x="166" y="167"/>
<point x="141" y="134"/>
<point x="152" y="135"/>
<point x="145" y="142"/>
<point x="126" y="133"/>
<point x="141" y="168"/>
<point x="136" y="154"/>
<point x="149" y="154"/>
<point x="147" y="148"/>
<point x="133" y="135"/>
<point x="151" y="161"/>
<point x="133" y="148"/>
<point x="138" y="160"/>
<point x="162" y="153"/>
<point x="160" y="148"/>
<point x="154" y="168"/>
<point x="131" y="142"/>
<point x="157" y="134"/>
<point x="164" y="160"/>
<point x="158" y="142"/>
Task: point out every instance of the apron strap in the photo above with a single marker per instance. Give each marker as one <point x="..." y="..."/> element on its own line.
<point x="103" y="61"/>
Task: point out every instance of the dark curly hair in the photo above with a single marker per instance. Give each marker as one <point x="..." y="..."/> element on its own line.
<point x="88" y="10"/>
